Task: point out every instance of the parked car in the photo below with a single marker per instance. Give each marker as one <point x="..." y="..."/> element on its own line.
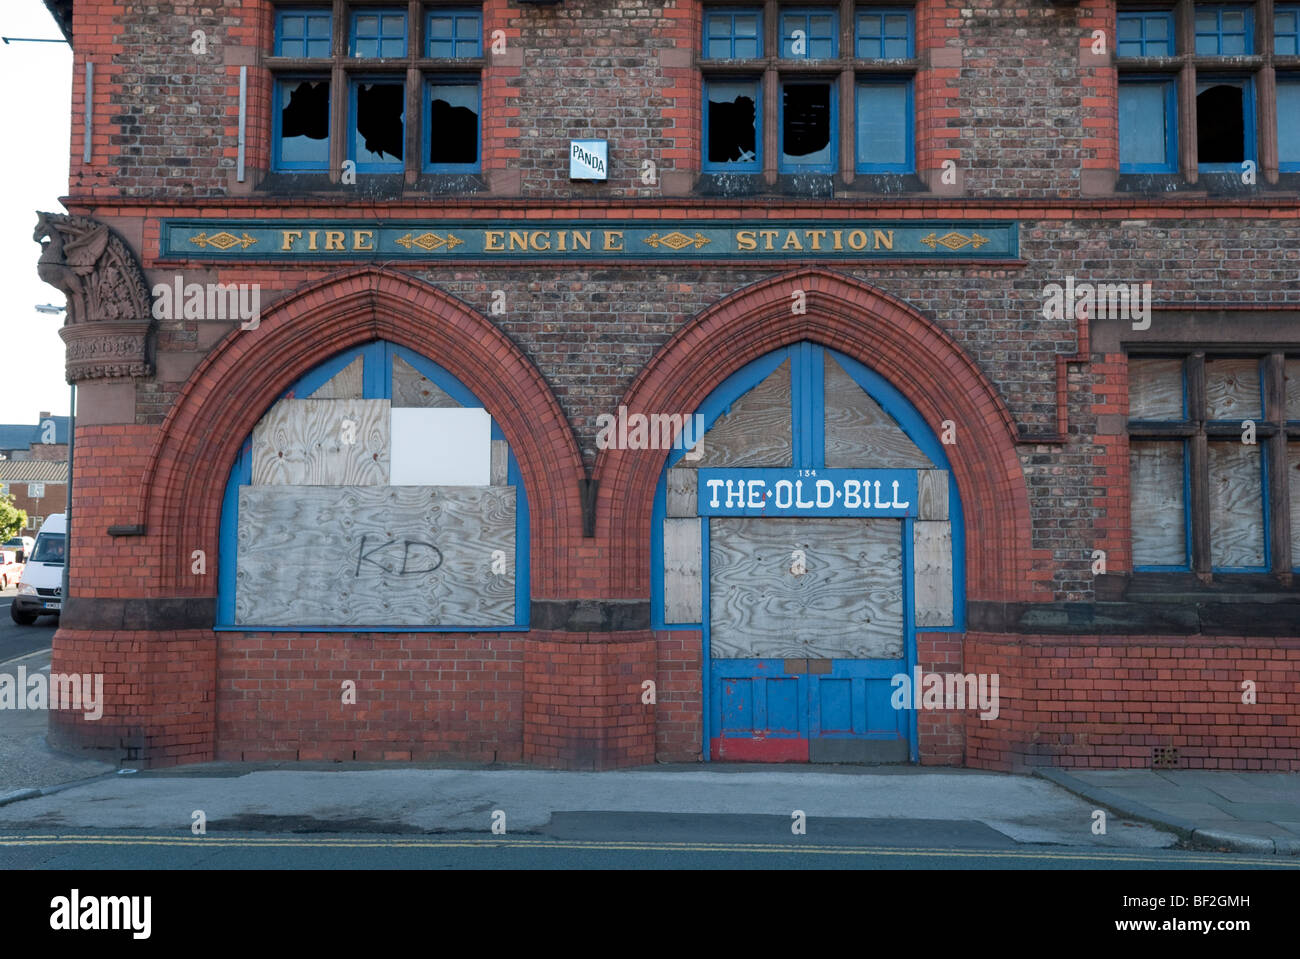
<point x="10" y="568"/>
<point x="22" y="545"/>
<point x="40" y="590"/>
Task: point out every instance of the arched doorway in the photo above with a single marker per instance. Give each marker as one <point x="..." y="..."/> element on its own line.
<point x="811" y="534"/>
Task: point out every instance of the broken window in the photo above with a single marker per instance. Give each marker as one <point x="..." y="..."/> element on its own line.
<point x="378" y="125"/>
<point x="1224" y="110"/>
<point x="732" y="125"/>
<point x="303" y="111"/>
<point x="806" y="121"/>
<point x="453" y="126"/>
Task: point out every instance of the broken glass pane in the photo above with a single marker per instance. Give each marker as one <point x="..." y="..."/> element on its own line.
<point x="453" y="123"/>
<point x="305" y="122"/>
<point x="733" y="122"/>
<point x="379" y="131"/>
<point x="806" y="124"/>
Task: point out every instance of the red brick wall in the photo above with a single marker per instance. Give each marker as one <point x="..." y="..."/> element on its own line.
<point x="1108" y="701"/>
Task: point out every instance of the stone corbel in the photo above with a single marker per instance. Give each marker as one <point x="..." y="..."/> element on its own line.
<point x="109" y="326"/>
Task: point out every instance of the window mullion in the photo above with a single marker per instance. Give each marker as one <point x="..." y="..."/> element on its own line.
<point x="1199" y="467"/>
<point x="340" y="95"/>
<point x="848" y="93"/>
<point x="1185" y="27"/>
<point x="771" y="92"/>
<point x="1279" y="506"/>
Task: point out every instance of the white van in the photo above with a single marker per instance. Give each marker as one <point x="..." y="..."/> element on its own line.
<point x="40" y="591"/>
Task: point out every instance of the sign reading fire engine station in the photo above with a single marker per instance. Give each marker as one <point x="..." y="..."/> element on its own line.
<point x="601" y="240"/>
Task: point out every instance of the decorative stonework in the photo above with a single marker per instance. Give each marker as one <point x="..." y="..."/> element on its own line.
<point x="109" y="322"/>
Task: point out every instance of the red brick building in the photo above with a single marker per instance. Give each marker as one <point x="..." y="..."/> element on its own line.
<point x="987" y="312"/>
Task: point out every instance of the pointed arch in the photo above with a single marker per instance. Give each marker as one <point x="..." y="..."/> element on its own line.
<point x="245" y="374"/>
<point x="925" y="364"/>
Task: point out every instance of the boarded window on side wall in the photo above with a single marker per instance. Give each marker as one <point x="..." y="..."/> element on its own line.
<point x="1158" y="503"/>
<point x="1236" y="506"/>
<point x="1155" y="389"/>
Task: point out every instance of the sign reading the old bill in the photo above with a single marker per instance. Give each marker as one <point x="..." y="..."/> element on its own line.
<point x="807" y="492"/>
<point x="586" y="240"/>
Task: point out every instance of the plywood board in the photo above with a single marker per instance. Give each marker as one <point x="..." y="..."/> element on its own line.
<point x="932" y="573"/>
<point x="322" y="443"/>
<point x="932" y="494"/>
<point x="1155" y="389"/>
<point x="1293" y="389"/>
<point x="346" y="384"/>
<point x="756" y="432"/>
<point x="1232" y="389"/>
<point x="861" y="434"/>
<point x="846" y="603"/>
<point x="1236" y="505"/>
<point x="682" y="498"/>
<point x="683" y="592"/>
<point x="1157" y="498"/>
<point x="441" y="447"/>
<point x="413" y="388"/>
<point x="500" y="462"/>
<point x="375" y="556"/>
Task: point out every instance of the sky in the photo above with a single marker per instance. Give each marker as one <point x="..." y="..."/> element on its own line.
<point x="37" y="82"/>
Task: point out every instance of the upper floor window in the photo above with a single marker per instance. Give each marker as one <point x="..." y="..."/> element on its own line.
<point x="1234" y="126"/>
<point x="803" y="103"/>
<point x="1224" y="31"/>
<point x="375" y="97"/>
<point x="378" y="33"/>
<point x="303" y="33"/>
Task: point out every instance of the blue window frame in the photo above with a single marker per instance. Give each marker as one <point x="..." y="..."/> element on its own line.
<point x="377" y="377"/>
<point x="453" y="125"/>
<point x="1225" y="110"/>
<point x="733" y="126"/>
<point x="378" y="33"/>
<point x="1288" y="122"/>
<point x="375" y="144"/>
<point x="809" y="125"/>
<point x="884" y="142"/>
<point x="1224" y="31"/>
<point x="1286" y="31"/>
<point x="1148" y="125"/>
<point x="1145" y="33"/>
<point x="884" y="33"/>
<point x="300" y="123"/>
<point x="303" y="33"/>
<point x="454" y="33"/>
<point x="820" y="28"/>
<point x="733" y="34"/>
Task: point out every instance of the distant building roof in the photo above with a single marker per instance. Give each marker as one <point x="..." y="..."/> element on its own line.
<point x="21" y="436"/>
<point x="33" y="471"/>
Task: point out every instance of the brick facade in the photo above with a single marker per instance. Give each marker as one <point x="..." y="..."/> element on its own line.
<point x="1010" y="92"/>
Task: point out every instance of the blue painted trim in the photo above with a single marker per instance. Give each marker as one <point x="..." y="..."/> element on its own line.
<point x="791" y="166"/>
<point x="718" y="15"/>
<point x="706" y="647"/>
<point x="1291" y="165"/>
<point x="377" y="378"/>
<point x="380" y="37"/>
<point x="387" y="166"/>
<point x="1143" y="18"/>
<point x="909" y="628"/>
<point x="426" y="142"/>
<point x="753" y="166"/>
<point x="456" y="40"/>
<point x="304" y="14"/>
<point x="1170" y="164"/>
<point x="882" y="36"/>
<point x="277" y="124"/>
<point x="1292" y="34"/>
<point x="909" y="137"/>
<point x="1247" y="32"/>
<point x="803" y="17"/>
<point x="1249" y="151"/>
<point x="815" y="381"/>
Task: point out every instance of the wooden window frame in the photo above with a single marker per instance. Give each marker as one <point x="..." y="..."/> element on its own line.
<point x="341" y="70"/>
<point x="1259" y="69"/>
<point x="1273" y="433"/>
<point x="843" y="71"/>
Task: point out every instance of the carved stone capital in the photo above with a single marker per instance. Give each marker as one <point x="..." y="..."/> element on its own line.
<point x="110" y="321"/>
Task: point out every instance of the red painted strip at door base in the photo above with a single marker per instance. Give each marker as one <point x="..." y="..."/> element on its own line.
<point x="760" y="750"/>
